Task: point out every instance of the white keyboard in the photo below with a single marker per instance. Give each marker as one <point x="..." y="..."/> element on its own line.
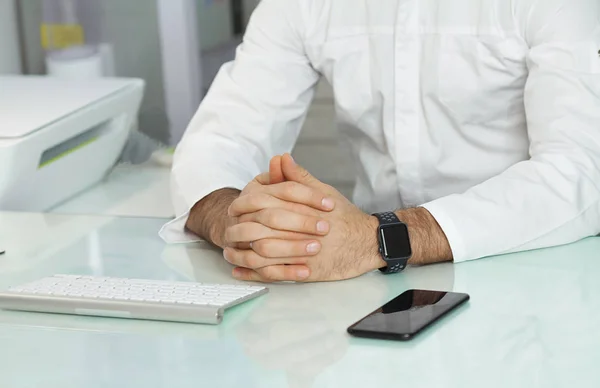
<point x="128" y="298"/>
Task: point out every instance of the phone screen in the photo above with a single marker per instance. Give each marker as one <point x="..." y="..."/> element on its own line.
<point x="407" y="314"/>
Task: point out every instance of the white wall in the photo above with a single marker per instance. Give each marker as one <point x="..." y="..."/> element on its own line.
<point x="10" y="57"/>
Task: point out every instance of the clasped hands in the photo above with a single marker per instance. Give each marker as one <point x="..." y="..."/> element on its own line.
<point x="288" y="226"/>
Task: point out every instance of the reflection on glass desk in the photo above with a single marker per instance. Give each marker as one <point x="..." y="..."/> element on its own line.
<point x="532" y="320"/>
<point x="128" y="191"/>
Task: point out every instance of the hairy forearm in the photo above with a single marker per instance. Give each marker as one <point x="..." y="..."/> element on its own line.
<point x="208" y="218"/>
<point x="428" y="241"/>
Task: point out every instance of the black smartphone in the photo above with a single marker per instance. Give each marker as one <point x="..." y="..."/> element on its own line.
<point x="407" y="314"/>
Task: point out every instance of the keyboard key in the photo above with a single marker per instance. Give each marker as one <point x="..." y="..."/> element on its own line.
<point x="67" y="276"/>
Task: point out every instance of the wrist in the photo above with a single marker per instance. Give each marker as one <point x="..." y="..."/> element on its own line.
<point x="428" y="241"/>
<point x="217" y="230"/>
<point x="375" y="259"/>
<point x="208" y="218"/>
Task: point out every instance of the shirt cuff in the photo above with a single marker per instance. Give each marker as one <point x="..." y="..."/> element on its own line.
<point x="437" y="210"/>
<point x="174" y="232"/>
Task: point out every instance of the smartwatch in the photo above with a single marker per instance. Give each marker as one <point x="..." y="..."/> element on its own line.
<point x="394" y="242"/>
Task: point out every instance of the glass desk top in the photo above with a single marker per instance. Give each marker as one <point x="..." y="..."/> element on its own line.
<point x="533" y="319"/>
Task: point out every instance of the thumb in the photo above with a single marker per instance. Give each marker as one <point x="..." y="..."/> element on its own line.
<point x="296" y="173"/>
<point x="275" y="170"/>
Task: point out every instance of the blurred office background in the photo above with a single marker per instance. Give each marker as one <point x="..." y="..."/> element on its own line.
<point x="176" y="46"/>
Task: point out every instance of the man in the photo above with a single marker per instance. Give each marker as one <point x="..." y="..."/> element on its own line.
<point x="476" y="121"/>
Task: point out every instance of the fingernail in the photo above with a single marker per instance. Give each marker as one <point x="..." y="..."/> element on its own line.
<point x="323" y="226"/>
<point x="292" y="159"/>
<point x="313" y="247"/>
<point x="328" y="204"/>
<point x="225" y="254"/>
<point x="302" y="273"/>
<point x="237" y="272"/>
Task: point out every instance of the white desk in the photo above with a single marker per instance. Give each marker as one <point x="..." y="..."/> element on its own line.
<point x="128" y="191"/>
<point x="532" y="321"/>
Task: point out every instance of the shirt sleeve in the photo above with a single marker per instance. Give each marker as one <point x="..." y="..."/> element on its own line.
<point x="553" y="198"/>
<point x="255" y="109"/>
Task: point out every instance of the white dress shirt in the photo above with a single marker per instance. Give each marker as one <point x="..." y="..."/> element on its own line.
<point x="485" y="112"/>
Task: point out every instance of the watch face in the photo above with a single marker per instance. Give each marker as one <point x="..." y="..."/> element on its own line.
<point x="395" y="241"/>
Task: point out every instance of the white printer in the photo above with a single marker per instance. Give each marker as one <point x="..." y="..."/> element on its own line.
<point x="58" y="136"/>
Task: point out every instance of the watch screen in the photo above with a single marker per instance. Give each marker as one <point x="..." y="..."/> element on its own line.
<point x="396" y="242"/>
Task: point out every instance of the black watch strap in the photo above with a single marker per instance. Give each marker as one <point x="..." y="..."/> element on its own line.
<point x="393" y="266"/>
<point x="387" y="218"/>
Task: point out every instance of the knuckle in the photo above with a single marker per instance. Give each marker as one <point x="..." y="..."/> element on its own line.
<point x="268" y="273"/>
<point x="245" y="218"/>
<point x="290" y="274"/>
<point x="252" y="261"/>
<point x="316" y="196"/>
<point x="242" y="232"/>
<point x="229" y="234"/>
<point x="304" y="173"/>
<point x="330" y="190"/>
<point x="250" y="187"/>
<point x="254" y="200"/>
<point x="309" y="224"/>
<point x="228" y="256"/>
<point x="255" y="231"/>
<point x="290" y="188"/>
<point x="267" y="248"/>
<point x="263" y="178"/>
<point x="235" y="257"/>
<point x="297" y="249"/>
<point x="303" y="209"/>
<point x="235" y="202"/>
<point x="269" y="217"/>
<point x="260" y="247"/>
